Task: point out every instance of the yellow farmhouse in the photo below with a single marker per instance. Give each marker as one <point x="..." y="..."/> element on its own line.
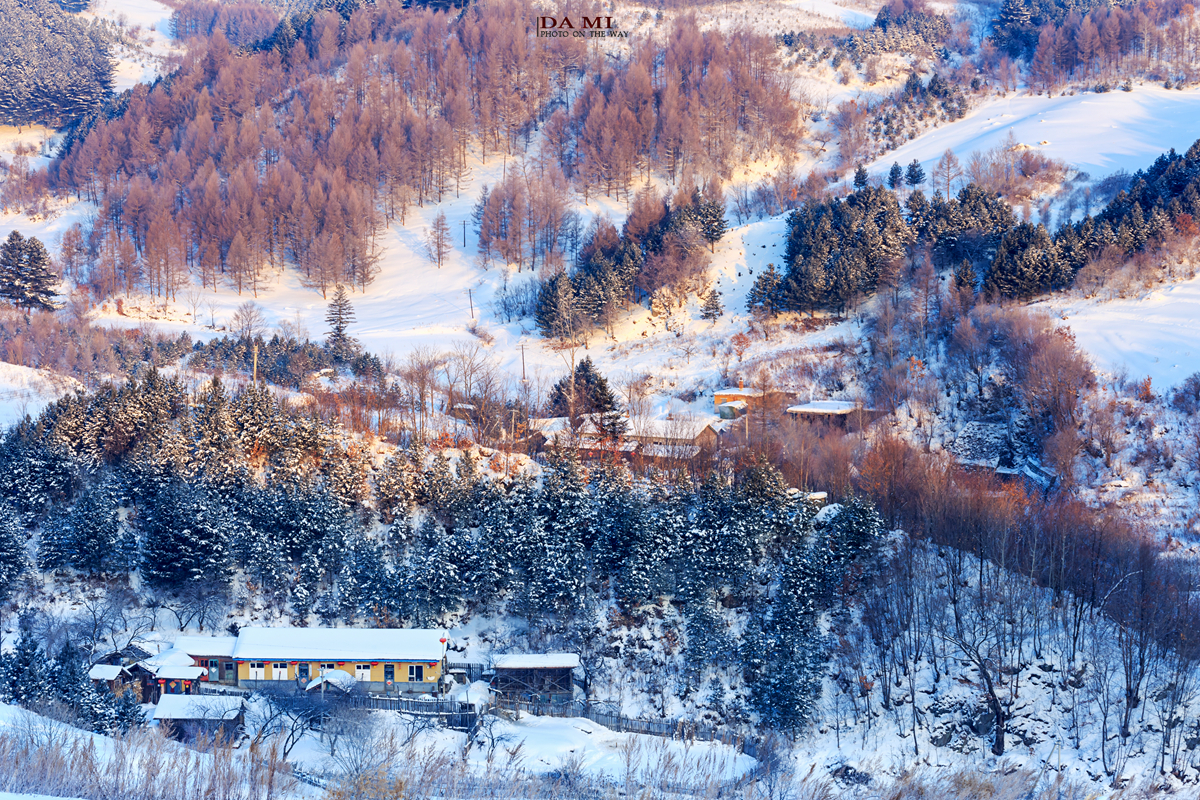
<point x="393" y="660"/>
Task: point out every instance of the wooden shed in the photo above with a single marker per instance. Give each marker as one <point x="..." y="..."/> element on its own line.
<point x="537" y="677"/>
<point x="111" y="675"/>
<point x="201" y="715"/>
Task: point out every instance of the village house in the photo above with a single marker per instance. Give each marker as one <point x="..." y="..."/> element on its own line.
<point x="841" y="413"/>
<point x="391" y="660"/>
<point x="201" y="716"/>
<point x="213" y="653"/>
<point x="750" y="397"/>
<point x="675" y="436"/>
<point x="113" y="676"/>
<point x="535" y="677"/>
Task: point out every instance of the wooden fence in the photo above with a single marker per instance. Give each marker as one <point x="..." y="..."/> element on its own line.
<point x="453" y="714"/>
<point x="473" y="669"/>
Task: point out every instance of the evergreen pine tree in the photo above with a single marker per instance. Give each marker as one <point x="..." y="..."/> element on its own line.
<point x="589" y="394"/>
<point x="37" y="279"/>
<point x="1025" y="264"/>
<point x="895" y="177"/>
<point x="965" y="277"/>
<point x="708" y="642"/>
<point x="860" y="178"/>
<point x="434" y="578"/>
<point x="712" y="222"/>
<point x="186" y="539"/>
<point x="439" y="483"/>
<point x="96" y="528"/>
<point x="712" y="308"/>
<point x="216" y="448"/>
<point x="12" y="258"/>
<point x="67" y="677"/>
<point x="25" y="680"/>
<point x="56" y="543"/>
<point x="340" y="315"/>
<point x="914" y="175"/>
<point x="764" y="296"/>
<point x="129" y="714"/>
<point x="12" y="549"/>
<point x="394" y="488"/>
<point x="490" y="570"/>
<point x="556" y="314"/>
<point x="97" y="708"/>
<point x="304" y="593"/>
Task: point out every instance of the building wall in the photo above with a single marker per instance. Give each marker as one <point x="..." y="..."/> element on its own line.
<point x="431" y="673"/>
<point x="725" y="397"/>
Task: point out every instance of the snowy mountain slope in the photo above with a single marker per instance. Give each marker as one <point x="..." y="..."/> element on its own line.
<point x="141" y="63"/>
<point x="1097" y="133"/>
<point x="24" y="390"/>
<point x="1155" y="335"/>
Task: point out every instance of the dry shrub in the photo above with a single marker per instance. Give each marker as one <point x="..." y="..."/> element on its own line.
<point x="41" y="756"/>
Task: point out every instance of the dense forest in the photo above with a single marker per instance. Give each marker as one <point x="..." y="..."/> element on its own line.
<point x="840" y="250"/>
<point x="297" y="150"/>
<point x="56" y="67"/>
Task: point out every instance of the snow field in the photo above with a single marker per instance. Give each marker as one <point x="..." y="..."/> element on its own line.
<point x="24" y="390"/>
<point x="153" y="19"/>
<point x="549" y="744"/>
<point x="1156" y="335"/>
<point x="1095" y="133"/>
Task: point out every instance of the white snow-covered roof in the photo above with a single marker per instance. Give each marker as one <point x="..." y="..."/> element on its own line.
<point x="828" y="513"/>
<point x="676" y="428"/>
<point x="206" y="645"/>
<point x="671" y="450"/>
<point x="197" y="706"/>
<point x="548" y="426"/>
<point x="823" y="407"/>
<point x="742" y="392"/>
<point x="168" y="658"/>
<point x="171" y="672"/>
<point x="334" y="677"/>
<point x="536" y="661"/>
<point x="341" y="644"/>
<point x="105" y="672"/>
<point x="737" y="405"/>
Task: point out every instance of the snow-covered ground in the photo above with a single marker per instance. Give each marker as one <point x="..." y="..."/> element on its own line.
<point x="549" y="744"/>
<point x="1096" y="133"/>
<point x="24" y="390"/>
<point x="1155" y="335"/>
<point x="149" y="23"/>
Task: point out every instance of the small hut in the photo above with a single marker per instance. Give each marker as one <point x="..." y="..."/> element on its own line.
<point x="111" y="675"/>
<point x="537" y="677"/>
<point x="194" y="715"/>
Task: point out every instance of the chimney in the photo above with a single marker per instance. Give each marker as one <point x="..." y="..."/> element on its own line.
<point x="741" y="384"/>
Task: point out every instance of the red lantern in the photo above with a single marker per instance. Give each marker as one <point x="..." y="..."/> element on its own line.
<point x="293" y="663"/>
<point x="442" y="640"/>
<point x="340" y="663"/>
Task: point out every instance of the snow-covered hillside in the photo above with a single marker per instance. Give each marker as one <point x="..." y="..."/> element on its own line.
<point x="1096" y="133"/>
<point x="1155" y="335"/>
<point x="25" y="391"/>
<point x="147" y="23"/>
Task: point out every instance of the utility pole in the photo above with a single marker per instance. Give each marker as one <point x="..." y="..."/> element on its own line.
<point x="523" y="364"/>
<point x="464" y="233"/>
<point x="471" y="300"/>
